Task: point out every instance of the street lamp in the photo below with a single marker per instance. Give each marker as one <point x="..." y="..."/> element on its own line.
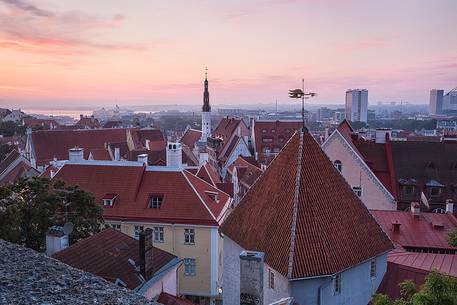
<point x="300" y="93"/>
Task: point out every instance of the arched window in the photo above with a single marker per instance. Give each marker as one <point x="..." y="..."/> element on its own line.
<point x="338" y="165"/>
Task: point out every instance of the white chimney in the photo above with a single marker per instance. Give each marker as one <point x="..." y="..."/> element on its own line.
<point x="143" y="158"/>
<point x="449" y="206"/>
<point x="415" y="209"/>
<point x="56" y="240"/>
<point x="146" y="144"/>
<point x="381" y="134"/>
<point x="76" y="154"/>
<point x="174" y="154"/>
<point x="117" y="154"/>
<point x="203" y="158"/>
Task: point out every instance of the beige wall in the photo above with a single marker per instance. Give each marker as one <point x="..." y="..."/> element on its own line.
<point x="372" y="194"/>
<point x="174" y="243"/>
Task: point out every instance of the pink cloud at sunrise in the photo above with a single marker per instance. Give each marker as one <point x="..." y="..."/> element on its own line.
<point x="154" y="52"/>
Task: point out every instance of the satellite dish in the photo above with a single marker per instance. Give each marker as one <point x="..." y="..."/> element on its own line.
<point x="68" y="228"/>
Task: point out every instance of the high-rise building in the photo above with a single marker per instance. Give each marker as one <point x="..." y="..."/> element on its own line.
<point x="357" y="105"/>
<point x="206" y="112"/>
<point x="450" y="100"/>
<point x="436" y="101"/>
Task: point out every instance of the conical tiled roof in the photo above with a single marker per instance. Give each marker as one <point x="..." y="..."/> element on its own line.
<point x="304" y="216"/>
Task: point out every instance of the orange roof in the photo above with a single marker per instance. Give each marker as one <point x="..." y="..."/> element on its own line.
<point x="190" y="137"/>
<point x="333" y="228"/>
<point x="209" y="174"/>
<point x="187" y="199"/>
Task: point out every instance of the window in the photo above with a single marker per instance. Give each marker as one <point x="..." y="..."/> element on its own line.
<point x="273" y="130"/>
<point x="373" y="269"/>
<point x="337" y="284"/>
<point x="357" y="190"/>
<point x="271" y="279"/>
<point x="213" y="195"/>
<point x="158" y="235"/>
<point x="435" y="191"/>
<point x="338" y="165"/>
<point x="264" y="130"/>
<point x="190" y="267"/>
<point x="108" y="202"/>
<point x="138" y="229"/>
<point x="116" y="226"/>
<point x="267" y="140"/>
<point x="155" y="202"/>
<point x="408" y="189"/>
<point x="189" y="236"/>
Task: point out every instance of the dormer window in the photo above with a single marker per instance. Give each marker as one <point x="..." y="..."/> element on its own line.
<point x="408" y="189"/>
<point x="357" y="190"/>
<point x="435" y="191"/>
<point x="213" y="195"/>
<point x="108" y="200"/>
<point x="338" y="165"/>
<point x="155" y="201"/>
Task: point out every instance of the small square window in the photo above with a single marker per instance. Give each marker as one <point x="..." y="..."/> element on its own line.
<point x="435" y="192"/>
<point x="271" y="279"/>
<point x="357" y="190"/>
<point x="189" y="236"/>
<point x="116" y="226"/>
<point x="155" y="202"/>
<point x="190" y="267"/>
<point x="108" y="202"/>
<point x="138" y="229"/>
<point x="158" y="235"/>
<point x="373" y="269"/>
<point x="337" y="284"/>
<point x="338" y="165"/>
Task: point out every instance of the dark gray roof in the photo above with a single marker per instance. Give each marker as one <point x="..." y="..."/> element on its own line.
<point x="29" y="277"/>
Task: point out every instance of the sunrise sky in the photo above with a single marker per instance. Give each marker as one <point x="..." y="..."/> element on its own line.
<point x="139" y="52"/>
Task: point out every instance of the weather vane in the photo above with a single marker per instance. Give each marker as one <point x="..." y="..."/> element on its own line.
<point x="300" y="93"/>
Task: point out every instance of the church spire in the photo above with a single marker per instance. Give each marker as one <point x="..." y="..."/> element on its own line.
<point x="206" y="106"/>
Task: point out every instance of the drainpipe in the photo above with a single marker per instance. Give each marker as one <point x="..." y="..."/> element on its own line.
<point x="319" y="290"/>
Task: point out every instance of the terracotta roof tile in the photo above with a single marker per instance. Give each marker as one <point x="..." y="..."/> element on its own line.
<point x="334" y="230"/>
<point x="168" y="299"/>
<point x="106" y="254"/>
<point x="190" y="137"/>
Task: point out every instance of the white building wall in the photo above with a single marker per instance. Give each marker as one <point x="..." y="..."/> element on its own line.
<point x="206" y="125"/>
<point x="374" y="195"/>
<point x="168" y="283"/>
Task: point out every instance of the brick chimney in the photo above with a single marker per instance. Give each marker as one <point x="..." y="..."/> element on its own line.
<point x="415" y="209"/>
<point x="146" y="253"/>
<point x="76" y="154"/>
<point x="449" y="206"/>
<point x="146" y="144"/>
<point x="251" y="277"/>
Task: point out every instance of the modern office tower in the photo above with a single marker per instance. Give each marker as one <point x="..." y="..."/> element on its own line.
<point x="357" y="105"/>
<point x="436" y="101"/>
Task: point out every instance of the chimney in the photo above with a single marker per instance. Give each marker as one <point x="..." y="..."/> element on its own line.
<point x="56" y="240"/>
<point x="327" y="133"/>
<point x="143" y="158"/>
<point x="146" y="253"/>
<point x="174" y="154"/>
<point x="52" y="173"/>
<point x="76" y="154"/>
<point x="81" y="116"/>
<point x="415" y="209"/>
<point x="251" y="277"/>
<point x="381" y="134"/>
<point x="117" y="154"/>
<point x="449" y="206"/>
<point x="146" y="144"/>
<point x="203" y="158"/>
<point x="396" y="227"/>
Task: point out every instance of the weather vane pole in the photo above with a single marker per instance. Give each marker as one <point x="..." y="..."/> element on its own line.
<point x="300" y="93"/>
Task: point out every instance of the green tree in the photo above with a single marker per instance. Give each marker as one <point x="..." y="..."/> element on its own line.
<point x="9" y="128"/>
<point x="438" y="289"/>
<point x="452" y="238"/>
<point x="30" y="206"/>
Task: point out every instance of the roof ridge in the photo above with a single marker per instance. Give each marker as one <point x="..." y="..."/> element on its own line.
<point x="295" y="206"/>
<point x="198" y="194"/>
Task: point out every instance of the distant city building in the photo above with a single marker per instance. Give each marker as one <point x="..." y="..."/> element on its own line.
<point x="357" y="105"/>
<point x="436" y="101"/>
<point x="450" y="100"/>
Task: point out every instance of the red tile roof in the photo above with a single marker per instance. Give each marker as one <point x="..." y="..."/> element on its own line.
<point x="48" y="144"/>
<point x="99" y="154"/>
<point x="87" y="122"/>
<point x="248" y="173"/>
<point x="334" y="229"/>
<point x="417" y="232"/>
<point x="48" y="124"/>
<point x="209" y="174"/>
<point x="106" y="254"/>
<point x="168" y="299"/>
<point x="226" y="127"/>
<point x="13" y="167"/>
<point x="184" y="195"/>
<point x="190" y="137"/>
<point x="402" y="266"/>
<point x="272" y="135"/>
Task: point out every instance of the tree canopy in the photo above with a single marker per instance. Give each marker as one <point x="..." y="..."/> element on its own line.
<point x="438" y="289"/>
<point x="30" y="206"/>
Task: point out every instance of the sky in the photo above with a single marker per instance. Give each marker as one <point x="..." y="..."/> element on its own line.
<point x="98" y="53"/>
